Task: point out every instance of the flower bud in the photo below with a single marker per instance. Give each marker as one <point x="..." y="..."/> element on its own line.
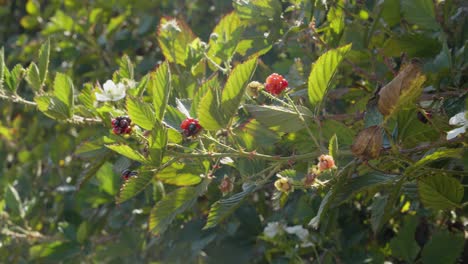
<point x="284" y="185"/>
<point x="253" y="88"/>
<point x="226" y="185"/>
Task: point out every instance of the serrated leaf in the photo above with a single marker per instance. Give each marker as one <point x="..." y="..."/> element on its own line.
<point x="444" y="247"/>
<point x="225" y="37"/>
<point x="209" y="113"/>
<point x="128" y="152"/>
<point x="13" y="78"/>
<point x="44" y="54"/>
<point x="437" y="155"/>
<point x="323" y="71"/>
<point x="235" y="87"/>
<point x="52" y="107"/>
<point x="211" y="83"/>
<point x="33" y="77"/>
<point x="440" y="192"/>
<point x="362" y="183"/>
<point x="157" y="144"/>
<point x="333" y="146"/>
<point x="324" y="205"/>
<point x="181" y="174"/>
<point x="86" y="96"/>
<point x="404" y="245"/>
<point x="141" y="113"/>
<point x="174" y="203"/>
<point x="223" y="208"/>
<point x="174" y="37"/>
<point x="63" y="90"/>
<point x="91" y="170"/>
<point x="13" y="201"/>
<point x="258" y="11"/>
<point x="126" y="68"/>
<point x="134" y="185"/>
<point x="278" y="117"/>
<point x="159" y="85"/>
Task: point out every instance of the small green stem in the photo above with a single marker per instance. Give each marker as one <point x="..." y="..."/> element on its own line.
<point x="304" y="123"/>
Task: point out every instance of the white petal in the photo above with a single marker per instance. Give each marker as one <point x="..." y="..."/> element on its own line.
<point x="458" y="119"/>
<point x="455" y="132"/>
<point x="298" y="230"/>
<point x="109" y="85"/>
<point x="272" y="229"/>
<point x="102" y="97"/>
<point x="116" y="97"/>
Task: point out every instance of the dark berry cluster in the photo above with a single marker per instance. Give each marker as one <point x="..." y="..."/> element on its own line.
<point x="127" y="174"/>
<point x="275" y="84"/>
<point x="190" y="127"/>
<point x="121" y="125"/>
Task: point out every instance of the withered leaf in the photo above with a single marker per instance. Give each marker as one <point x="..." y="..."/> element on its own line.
<point x="368" y="143"/>
<point x="404" y="89"/>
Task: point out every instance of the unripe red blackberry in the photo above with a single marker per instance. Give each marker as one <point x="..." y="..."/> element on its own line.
<point x="190" y="127"/>
<point x="275" y="84"/>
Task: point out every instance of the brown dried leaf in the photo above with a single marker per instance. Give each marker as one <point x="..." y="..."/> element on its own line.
<point x="368" y="143"/>
<point x="404" y="88"/>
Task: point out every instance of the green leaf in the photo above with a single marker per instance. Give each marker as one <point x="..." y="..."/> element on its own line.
<point x="33" y="77"/>
<point x="83" y="232"/>
<point x="108" y="181"/>
<point x="444" y="247"/>
<point x="63" y="90"/>
<point x="324" y="205"/>
<point x="54" y="252"/>
<point x="176" y="202"/>
<point x="126" y="68"/>
<point x="421" y="13"/>
<point x="258" y="11"/>
<point x="13" y="78"/>
<point x="404" y="245"/>
<point x="134" y="185"/>
<point x="181" y="174"/>
<point x="44" y="54"/>
<point x="323" y="71"/>
<point x="415" y="45"/>
<point x="159" y="86"/>
<point x="174" y="37"/>
<point x="223" y="208"/>
<point x="13" y="201"/>
<point x="440" y="192"/>
<point x="391" y="12"/>
<point x="91" y="170"/>
<point x="378" y="213"/>
<point x="333" y="146"/>
<point x="437" y="155"/>
<point x="157" y="144"/>
<point x="280" y="118"/>
<point x="209" y="113"/>
<point x="141" y="113"/>
<point x="2" y="68"/>
<point x="128" y="152"/>
<point x="52" y="107"/>
<point x="362" y="183"/>
<point x="235" y="87"/>
<point x="225" y="37"/>
<point x="202" y="90"/>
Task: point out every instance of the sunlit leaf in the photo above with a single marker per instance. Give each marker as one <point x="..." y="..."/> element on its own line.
<point x="141" y="113"/>
<point x="128" y="152"/>
<point x="63" y="90"/>
<point x="181" y="174"/>
<point x="174" y="37"/>
<point x="323" y="71"/>
<point x="159" y="86"/>
<point x="235" y="87"/>
<point x="33" y="77"/>
<point x="44" y="54"/>
<point x="225" y="37"/>
<point x="134" y="185"/>
<point x="52" y="107"/>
